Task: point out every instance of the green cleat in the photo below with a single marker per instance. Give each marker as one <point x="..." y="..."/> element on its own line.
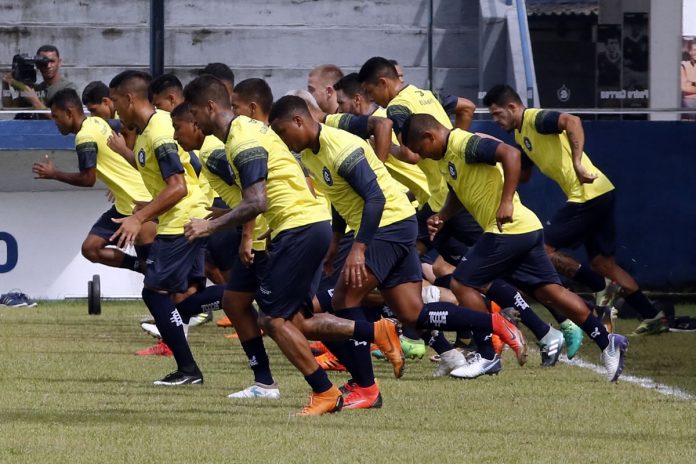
<point x="413" y="349"/>
<point x="572" y="334"/>
<point x="654" y="326"/>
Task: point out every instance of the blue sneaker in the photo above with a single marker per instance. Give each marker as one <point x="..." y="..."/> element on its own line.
<point x="13" y="299"/>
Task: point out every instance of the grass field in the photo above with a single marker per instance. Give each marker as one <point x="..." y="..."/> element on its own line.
<point x="72" y="391"/>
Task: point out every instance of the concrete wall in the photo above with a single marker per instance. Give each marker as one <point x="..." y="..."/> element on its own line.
<point x="280" y="40"/>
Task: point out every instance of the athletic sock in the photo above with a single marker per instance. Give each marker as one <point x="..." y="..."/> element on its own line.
<point x="171" y="327"/>
<point x="590" y="278"/>
<point x="319" y="381"/>
<point x="357" y="352"/>
<point x="556" y="315"/>
<point x="641" y="304"/>
<point x="209" y="299"/>
<point x="131" y="263"/>
<point x="411" y="332"/>
<point x="437" y="341"/>
<point x="450" y="317"/>
<point x="484" y="345"/>
<point x="258" y="360"/>
<point x="596" y="331"/>
<point x="507" y="296"/>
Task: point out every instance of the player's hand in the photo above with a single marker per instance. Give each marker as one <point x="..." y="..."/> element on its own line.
<point x="117" y="143"/>
<point x="127" y="232"/>
<point x="354" y="270"/>
<point x="584" y="176"/>
<point x="45" y="169"/>
<point x="197" y="228"/>
<point x="267" y="237"/>
<point x="110" y="196"/>
<point x="246" y="252"/>
<point x="434" y="225"/>
<point x="504" y="214"/>
<point x="216" y="212"/>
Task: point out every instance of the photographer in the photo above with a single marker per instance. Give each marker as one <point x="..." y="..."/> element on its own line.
<point x="48" y="63"/>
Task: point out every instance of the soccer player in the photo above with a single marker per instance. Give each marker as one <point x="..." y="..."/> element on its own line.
<point x="554" y="142"/>
<point x="222" y="72"/>
<point x="166" y="92"/>
<point x="383" y="255"/>
<point x="95" y="97"/>
<point x="512" y="243"/>
<point x="97" y="161"/>
<point x="320" y="84"/>
<point x="174" y="285"/>
<point x="272" y="183"/>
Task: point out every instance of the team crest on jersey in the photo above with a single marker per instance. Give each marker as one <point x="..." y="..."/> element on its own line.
<point x="327" y="176"/>
<point x="528" y="143"/>
<point x="141" y="157"/>
<point x="452" y="170"/>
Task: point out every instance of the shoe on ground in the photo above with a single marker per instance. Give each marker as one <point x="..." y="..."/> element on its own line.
<point x="550" y="347"/>
<point x="505" y="328"/>
<point x="449" y="361"/>
<point x="413" y="349"/>
<point x="607" y="296"/>
<point x="200" y="319"/>
<point x="151" y="329"/>
<point x="177" y="378"/>
<point x="609" y="315"/>
<point x="318" y="348"/>
<point x="498" y="345"/>
<point x="14" y="299"/>
<point x="329" y="362"/>
<point x="258" y="390"/>
<point x="478" y="366"/>
<point x="387" y="340"/>
<point x="329" y="401"/>
<point x="682" y="324"/>
<point x="158" y="349"/>
<point x="572" y="334"/>
<point x="654" y="326"/>
<point x="224" y="322"/>
<point x="363" y="397"/>
<point x="613" y="356"/>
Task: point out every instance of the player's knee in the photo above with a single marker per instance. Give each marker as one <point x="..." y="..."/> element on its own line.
<point x="90" y="252"/>
<point x="602" y="265"/>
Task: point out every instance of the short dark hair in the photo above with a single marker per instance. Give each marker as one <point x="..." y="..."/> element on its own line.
<point x="394" y="62"/>
<point x="165" y="82"/>
<point x="136" y="82"/>
<point x="182" y="111"/>
<point x="256" y="90"/>
<point x="350" y="85"/>
<point x="95" y="92"/>
<point x="204" y="88"/>
<point x="65" y="98"/>
<point x="416" y="125"/>
<point x="501" y="95"/>
<point x="48" y="48"/>
<point x="288" y="106"/>
<point x="219" y="70"/>
<point x="377" y="67"/>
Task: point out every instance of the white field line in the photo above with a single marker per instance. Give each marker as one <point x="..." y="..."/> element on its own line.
<point x="644" y="382"/>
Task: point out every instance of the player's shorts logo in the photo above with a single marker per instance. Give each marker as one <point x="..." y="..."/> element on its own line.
<point x="327" y="176"/>
<point x="141" y="157"/>
<point x="527" y="143"/>
<point x="452" y="170"/>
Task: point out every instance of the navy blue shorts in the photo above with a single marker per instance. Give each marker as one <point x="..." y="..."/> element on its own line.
<point x="393" y="258"/>
<point x="247" y="279"/>
<point x="175" y="263"/>
<point x="105" y="227"/>
<point x="455" y="238"/>
<point x="521" y="258"/>
<point x="293" y="270"/>
<point x="591" y="224"/>
<point x="222" y="248"/>
<point x="328" y="283"/>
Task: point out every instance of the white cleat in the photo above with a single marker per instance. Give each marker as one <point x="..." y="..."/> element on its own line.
<point x="613" y="356"/>
<point x="449" y="360"/>
<point x="550" y="347"/>
<point x="151" y="329"/>
<point x="258" y="390"/>
<point x="477" y="367"/>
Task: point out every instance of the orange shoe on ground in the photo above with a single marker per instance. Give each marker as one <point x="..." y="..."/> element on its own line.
<point x="363" y="397"/>
<point x="224" y="322"/>
<point x="321" y="403"/>
<point x="158" y="349"/>
<point x="329" y="362"/>
<point x="387" y="340"/>
<point x="498" y="344"/>
<point x="510" y="334"/>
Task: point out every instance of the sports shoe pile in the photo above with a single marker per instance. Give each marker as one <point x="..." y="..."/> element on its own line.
<point x="16" y="299"/>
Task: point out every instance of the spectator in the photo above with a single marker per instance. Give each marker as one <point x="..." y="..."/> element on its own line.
<point x="688" y="78"/>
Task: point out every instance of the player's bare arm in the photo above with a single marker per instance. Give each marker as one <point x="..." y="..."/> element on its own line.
<point x="509" y="157"/>
<point x="47" y="170"/>
<point x="464" y="113"/>
<point x="576" y="136"/>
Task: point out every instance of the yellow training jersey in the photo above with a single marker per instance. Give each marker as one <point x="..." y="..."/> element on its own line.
<point x="119" y="177"/>
<point x="290" y="204"/>
<point x="157" y="156"/>
<point x="339" y="152"/>
<point x="479" y="186"/>
<point x="552" y="154"/>
<point x="217" y="170"/>
<point x="412" y="100"/>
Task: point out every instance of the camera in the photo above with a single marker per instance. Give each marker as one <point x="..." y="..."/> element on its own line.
<point x="24" y="67"/>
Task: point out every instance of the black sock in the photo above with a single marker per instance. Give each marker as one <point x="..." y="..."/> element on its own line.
<point x="258" y="360"/>
<point x="596" y="331"/>
<point x="319" y="381"/>
<point x="450" y="317"/>
<point x="208" y="299"/>
<point x="171" y="327"/>
<point x="411" y="332"/>
<point x="556" y="315"/>
<point x="507" y="296"/>
<point x="437" y="341"/>
<point x="640" y="303"/>
<point x="131" y="263"/>
<point x="357" y="352"/>
<point x="590" y="278"/>
<point x="364" y="331"/>
<point x="443" y="281"/>
<point x="484" y="345"/>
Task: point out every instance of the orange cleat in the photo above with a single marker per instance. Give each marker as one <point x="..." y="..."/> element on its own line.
<point x="321" y="403"/>
<point x="224" y="322"/>
<point x="510" y="334"/>
<point x="387" y="340"/>
<point x="329" y="362"/>
<point x="363" y="397"/>
<point x="158" y="349"/>
<point x="498" y="344"/>
<point x="318" y="348"/>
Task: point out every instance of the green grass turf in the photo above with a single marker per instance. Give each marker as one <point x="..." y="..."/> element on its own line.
<point x="71" y="391"/>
